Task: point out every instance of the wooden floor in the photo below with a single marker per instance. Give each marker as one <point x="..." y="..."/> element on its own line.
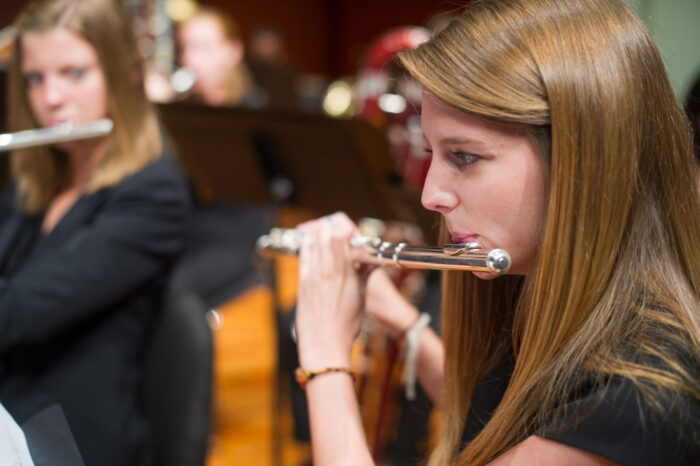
<point x="244" y="382"/>
<point x="252" y="417"/>
<point x="252" y="423"/>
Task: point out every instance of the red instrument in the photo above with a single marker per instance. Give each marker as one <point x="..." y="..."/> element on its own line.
<point x="390" y="99"/>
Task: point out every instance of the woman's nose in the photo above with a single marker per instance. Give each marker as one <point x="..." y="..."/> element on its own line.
<point x="438" y="192"/>
<point x="53" y="91"/>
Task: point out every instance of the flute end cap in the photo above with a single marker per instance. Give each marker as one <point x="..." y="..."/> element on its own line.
<point x="499" y="261"/>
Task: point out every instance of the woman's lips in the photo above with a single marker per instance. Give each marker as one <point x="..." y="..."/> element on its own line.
<point x="463" y="238"/>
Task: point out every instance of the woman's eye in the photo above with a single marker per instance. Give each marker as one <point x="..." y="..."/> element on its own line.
<point x="75" y="73"/>
<point x="463" y="159"/>
<point x="32" y="79"/>
<point x="427" y="150"/>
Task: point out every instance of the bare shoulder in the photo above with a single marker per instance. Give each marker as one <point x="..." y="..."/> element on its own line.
<point x="545" y="452"/>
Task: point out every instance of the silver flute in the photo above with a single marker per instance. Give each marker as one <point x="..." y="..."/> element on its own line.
<point x="59" y="133"/>
<point x="371" y="250"/>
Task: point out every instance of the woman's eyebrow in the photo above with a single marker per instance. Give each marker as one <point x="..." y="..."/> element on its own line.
<point x="461" y="140"/>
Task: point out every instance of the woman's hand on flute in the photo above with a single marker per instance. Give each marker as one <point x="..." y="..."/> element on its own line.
<point x="327" y="321"/>
<point x="329" y="305"/>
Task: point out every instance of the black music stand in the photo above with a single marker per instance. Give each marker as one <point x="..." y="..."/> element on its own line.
<point x="295" y="159"/>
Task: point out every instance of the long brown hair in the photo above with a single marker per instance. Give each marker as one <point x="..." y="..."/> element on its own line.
<point x="40" y="172"/>
<point x="617" y="266"/>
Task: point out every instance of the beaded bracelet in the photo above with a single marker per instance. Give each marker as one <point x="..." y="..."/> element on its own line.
<point x="303" y="376"/>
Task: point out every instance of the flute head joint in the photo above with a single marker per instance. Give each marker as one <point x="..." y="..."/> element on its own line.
<point x="455" y="249"/>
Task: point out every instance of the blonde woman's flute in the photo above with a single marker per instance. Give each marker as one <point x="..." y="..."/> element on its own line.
<point x="60" y="133"/>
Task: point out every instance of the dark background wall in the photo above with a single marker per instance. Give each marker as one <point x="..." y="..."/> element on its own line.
<point x="323" y="36"/>
<point x="9" y="10"/>
<point x="329" y="36"/>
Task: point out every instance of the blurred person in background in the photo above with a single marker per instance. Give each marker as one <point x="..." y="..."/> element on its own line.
<point x="211" y="47"/>
<point x="273" y="74"/>
<point x="88" y="232"/>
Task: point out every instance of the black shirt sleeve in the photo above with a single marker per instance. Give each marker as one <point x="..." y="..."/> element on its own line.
<point x="133" y="239"/>
<point x="619" y="424"/>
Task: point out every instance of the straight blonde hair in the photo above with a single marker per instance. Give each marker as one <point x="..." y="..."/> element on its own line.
<point x="40" y="172"/>
<point x="615" y="288"/>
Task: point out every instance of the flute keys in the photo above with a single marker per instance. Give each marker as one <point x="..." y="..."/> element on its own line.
<point x="285" y="240"/>
<point x="360" y="241"/>
<point x="455" y="249"/>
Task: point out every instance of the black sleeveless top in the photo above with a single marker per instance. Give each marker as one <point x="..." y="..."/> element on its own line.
<point x="615" y="423"/>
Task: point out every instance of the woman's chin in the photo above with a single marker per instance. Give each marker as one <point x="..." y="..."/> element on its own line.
<point x="485" y="275"/>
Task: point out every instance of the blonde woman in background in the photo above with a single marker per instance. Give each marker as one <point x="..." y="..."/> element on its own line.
<point x="555" y="135"/>
<point x="211" y="47"/>
<point x="89" y="229"/>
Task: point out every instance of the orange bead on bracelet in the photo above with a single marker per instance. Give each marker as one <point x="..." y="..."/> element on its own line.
<point x="303" y="376"/>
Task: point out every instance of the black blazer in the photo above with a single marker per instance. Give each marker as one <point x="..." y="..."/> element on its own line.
<point x="77" y="305"/>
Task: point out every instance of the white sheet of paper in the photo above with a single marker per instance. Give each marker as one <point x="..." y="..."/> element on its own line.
<point x="13" y="444"/>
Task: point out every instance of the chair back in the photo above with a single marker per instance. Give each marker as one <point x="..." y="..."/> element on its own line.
<point x="178" y="382"/>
